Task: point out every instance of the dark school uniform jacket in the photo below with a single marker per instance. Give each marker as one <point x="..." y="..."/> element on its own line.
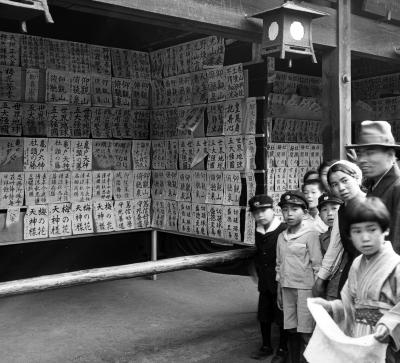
<point x="388" y="189"/>
<point x="265" y="260"/>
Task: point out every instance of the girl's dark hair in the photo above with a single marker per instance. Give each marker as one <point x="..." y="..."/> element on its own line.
<point x="371" y="209"/>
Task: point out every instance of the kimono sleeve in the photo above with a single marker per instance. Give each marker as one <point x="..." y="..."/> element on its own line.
<point x="391" y="319"/>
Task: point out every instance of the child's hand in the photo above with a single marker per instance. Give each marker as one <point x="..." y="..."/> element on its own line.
<point x="324" y="303"/>
<point x="382" y="333"/>
<point x="318" y="289"/>
<point x="279" y="300"/>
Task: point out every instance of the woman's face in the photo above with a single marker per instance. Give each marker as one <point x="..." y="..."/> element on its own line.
<point x="343" y="185"/>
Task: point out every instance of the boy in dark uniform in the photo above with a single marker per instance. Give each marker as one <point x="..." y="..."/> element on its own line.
<point x="267" y="231"/>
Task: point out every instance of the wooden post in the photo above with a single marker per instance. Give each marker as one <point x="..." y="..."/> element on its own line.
<point x="122" y="272"/>
<point x="336" y="89"/>
<point x="154" y="250"/>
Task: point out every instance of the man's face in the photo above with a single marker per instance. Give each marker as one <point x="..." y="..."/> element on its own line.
<point x="312" y="193"/>
<point x="374" y="161"/>
<point x="263" y="216"/>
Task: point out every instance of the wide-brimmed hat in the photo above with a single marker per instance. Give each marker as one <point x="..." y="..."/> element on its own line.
<point x="375" y="133"/>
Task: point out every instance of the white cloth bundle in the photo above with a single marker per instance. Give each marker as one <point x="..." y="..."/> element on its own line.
<point x="329" y="344"/>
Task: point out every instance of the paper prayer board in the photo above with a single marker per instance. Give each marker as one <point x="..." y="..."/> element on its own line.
<point x="215" y="189"/>
<point x="102" y="120"/>
<point x="215" y="220"/>
<point x="35" y="154"/>
<point x="199" y="219"/>
<point x="80" y="89"/>
<point x="60" y="220"/>
<point x="123" y="185"/>
<point x="100" y="60"/>
<point x="79" y="57"/>
<point x="81" y="186"/>
<point x="81" y="152"/>
<point x="184" y="188"/>
<point x="12" y="217"/>
<point x="123" y="211"/>
<point x="57" y="87"/>
<point x="82" y="218"/>
<point x="102" y="154"/>
<point x="141" y="154"/>
<point x="10" y="83"/>
<point x="36" y="188"/>
<point x="121" y="92"/>
<point x="170" y="184"/>
<point x="36" y="222"/>
<point x="171" y="215"/>
<point x="103" y="216"/>
<point x="79" y="120"/>
<point x="10" y="118"/>
<point x="231" y="222"/>
<point x="102" y="184"/>
<point x="34" y="119"/>
<point x="158" y="214"/>
<point x="101" y="90"/>
<point x="32" y="52"/>
<point x="232" y="187"/>
<point x="141" y="188"/>
<point x="58" y="124"/>
<point x="12" y="186"/>
<point x="59" y="186"/>
<point x="141" y="213"/>
<point x="185" y="217"/>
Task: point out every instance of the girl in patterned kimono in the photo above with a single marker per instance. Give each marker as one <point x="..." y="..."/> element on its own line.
<point x="371" y="295"/>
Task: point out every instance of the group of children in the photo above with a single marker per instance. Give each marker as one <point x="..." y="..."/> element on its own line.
<point x="289" y="257"/>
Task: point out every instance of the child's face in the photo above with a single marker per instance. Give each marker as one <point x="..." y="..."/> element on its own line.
<point x="343" y="185"/>
<point x="328" y="213"/>
<point x="312" y="193"/>
<point x="292" y="214"/>
<point x="263" y="216"/>
<point x="367" y="237"/>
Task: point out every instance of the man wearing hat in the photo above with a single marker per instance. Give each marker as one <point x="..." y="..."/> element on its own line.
<point x="267" y="231"/>
<point x="376" y="157"/>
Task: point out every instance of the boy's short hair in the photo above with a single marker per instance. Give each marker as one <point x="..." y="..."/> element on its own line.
<point x="371" y="209"/>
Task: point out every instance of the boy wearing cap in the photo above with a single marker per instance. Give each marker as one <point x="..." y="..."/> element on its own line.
<point x="328" y="206"/>
<point x="267" y="230"/>
<point x="298" y="259"/>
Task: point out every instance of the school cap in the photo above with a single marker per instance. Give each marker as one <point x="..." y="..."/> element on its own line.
<point x="260" y="201"/>
<point x="328" y="198"/>
<point x="295" y="197"/>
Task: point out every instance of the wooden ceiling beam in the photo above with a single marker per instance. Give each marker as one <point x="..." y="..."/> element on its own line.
<point x="229" y="18"/>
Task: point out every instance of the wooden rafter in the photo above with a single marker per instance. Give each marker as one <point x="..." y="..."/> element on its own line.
<point x="230" y="19"/>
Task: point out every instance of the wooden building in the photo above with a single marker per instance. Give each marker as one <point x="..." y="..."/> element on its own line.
<point x="297" y="113"/>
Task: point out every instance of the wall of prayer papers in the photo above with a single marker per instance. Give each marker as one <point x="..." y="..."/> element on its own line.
<point x="203" y="139"/>
<point x="92" y="136"/>
<point x="378" y="98"/>
<point x="74" y="138"/>
<point x="294" y="140"/>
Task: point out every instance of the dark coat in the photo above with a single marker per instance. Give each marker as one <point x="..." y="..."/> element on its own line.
<point x="388" y="189"/>
<point x="265" y="260"/>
